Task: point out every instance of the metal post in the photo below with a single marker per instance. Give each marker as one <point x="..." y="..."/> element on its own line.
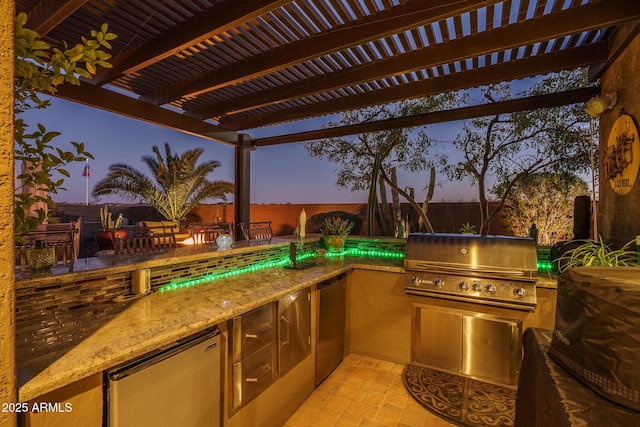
<point x="242" y="183"/>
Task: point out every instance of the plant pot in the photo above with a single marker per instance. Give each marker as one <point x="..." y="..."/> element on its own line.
<point x="105" y="239"/>
<point x="41" y="259"/>
<point x="334" y="243"/>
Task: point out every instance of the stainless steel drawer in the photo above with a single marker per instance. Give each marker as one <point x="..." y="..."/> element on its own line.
<point x="252" y="331"/>
<point x="251" y="376"/>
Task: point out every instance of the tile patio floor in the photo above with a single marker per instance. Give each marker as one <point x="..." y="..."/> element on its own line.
<point x="363" y="392"/>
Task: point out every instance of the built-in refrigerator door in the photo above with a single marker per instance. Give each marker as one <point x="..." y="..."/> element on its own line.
<point x="178" y="385"/>
<point x="294" y="330"/>
<point x="331" y="325"/>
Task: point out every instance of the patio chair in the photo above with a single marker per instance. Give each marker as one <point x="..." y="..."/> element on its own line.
<point x="257" y="232"/>
<point x="62" y="240"/>
<point x="207" y="233"/>
<point x="144" y="239"/>
<point x="174" y="225"/>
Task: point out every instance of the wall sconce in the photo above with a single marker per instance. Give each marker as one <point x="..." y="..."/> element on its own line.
<point x="596" y="106"/>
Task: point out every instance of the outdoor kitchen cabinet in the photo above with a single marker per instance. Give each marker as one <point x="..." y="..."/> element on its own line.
<point x="253" y="354"/>
<point x="267" y="343"/>
<point x="472" y="344"/>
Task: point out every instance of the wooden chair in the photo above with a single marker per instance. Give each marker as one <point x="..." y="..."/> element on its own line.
<point x="63" y="242"/>
<point x="143" y="239"/>
<point x="207" y="233"/>
<point x="257" y="232"/>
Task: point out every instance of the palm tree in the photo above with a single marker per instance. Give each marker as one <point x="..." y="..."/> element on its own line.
<point x="175" y="187"/>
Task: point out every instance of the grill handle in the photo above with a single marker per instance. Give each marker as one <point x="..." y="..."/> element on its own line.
<point x="455" y="268"/>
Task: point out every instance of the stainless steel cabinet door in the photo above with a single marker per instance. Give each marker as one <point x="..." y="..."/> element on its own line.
<point x="439" y="339"/>
<point x="492" y="348"/>
<point x="294" y="329"/>
<point x="472" y="344"/>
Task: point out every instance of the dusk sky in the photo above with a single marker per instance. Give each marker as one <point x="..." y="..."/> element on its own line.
<point x="280" y="174"/>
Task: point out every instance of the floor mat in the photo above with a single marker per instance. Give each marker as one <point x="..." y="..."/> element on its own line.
<point x="460" y="400"/>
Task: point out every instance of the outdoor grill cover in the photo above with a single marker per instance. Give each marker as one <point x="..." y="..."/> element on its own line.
<point x="597" y="332"/>
<point x="548" y="396"/>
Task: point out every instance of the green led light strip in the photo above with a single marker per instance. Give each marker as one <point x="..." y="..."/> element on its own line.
<point x="545" y="266"/>
<point x="372" y="253"/>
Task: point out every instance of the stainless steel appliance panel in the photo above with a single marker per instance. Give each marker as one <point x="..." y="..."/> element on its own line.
<point x="253" y="375"/>
<point x="518" y="295"/>
<point x="253" y="354"/>
<point x="294" y="330"/>
<point x="489" y="270"/>
<point x="492" y="348"/>
<point x="438" y="339"/>
<point x="478" y="345"/>
<point x="252" y="331"/>
<point x="177" y="385"/>
<point x="506" y="256"/>
<point x="331" y="320"/>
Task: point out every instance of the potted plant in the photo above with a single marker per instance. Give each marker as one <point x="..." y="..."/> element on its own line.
<point x="334" y="233"/>
<point x="40" y="257"/>
<point x="39" y="68"/>
<point x="592" y="253"/>
<point x="467" y="229"/>
<point x="104" y="236"/>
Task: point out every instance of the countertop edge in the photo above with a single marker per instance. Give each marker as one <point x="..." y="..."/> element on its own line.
<point x="96" y="356"/>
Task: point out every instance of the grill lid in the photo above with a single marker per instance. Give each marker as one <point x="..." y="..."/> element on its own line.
<point x="512" y="257"/>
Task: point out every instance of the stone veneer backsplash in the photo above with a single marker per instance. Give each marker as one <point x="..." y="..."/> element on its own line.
<point x="57" y="315"/>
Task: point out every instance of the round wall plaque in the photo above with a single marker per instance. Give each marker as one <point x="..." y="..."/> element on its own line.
<point x="622" y="159"/>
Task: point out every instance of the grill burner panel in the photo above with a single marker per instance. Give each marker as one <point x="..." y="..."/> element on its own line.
<point x="491" y="270"/>
<point x="503" y="293"/>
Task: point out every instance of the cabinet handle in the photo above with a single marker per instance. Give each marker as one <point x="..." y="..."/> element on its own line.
<point x="260" y="329"/>
<point x="284" y="324"/>
<point x="265" y="371"/>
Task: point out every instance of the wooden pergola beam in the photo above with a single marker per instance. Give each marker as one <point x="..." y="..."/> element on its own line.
<point x="543" y="64"/>
<point x="113" y="102"/>
<point x="378" y="25"/>
<point x="623" y="36"/>
<point x="502" y="107"/>
<point x="215" y="20"/>
<point x="48" y="13"/>
<point x="497" y="40"/>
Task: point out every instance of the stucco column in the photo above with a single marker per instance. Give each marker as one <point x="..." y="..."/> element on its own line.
<point x="7" y="275"/>
<point x="618" y="214"/>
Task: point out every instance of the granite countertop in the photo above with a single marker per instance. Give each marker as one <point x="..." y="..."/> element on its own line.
<point x="84" y="268"/>
<point x="158" y="319"/>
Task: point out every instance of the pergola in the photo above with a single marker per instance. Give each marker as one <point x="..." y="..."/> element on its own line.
<point x="220" y="68"/>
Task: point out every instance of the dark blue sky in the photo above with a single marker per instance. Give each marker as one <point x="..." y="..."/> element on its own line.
<point x="280" y="174"/>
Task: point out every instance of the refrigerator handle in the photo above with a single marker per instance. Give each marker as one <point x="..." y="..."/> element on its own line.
<point x="285" y="324"/>
<point x="152" y="358"/>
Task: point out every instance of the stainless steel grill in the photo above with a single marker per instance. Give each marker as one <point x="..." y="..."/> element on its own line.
<point x="492" y="270"/>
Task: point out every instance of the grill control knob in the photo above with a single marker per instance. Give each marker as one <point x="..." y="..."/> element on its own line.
<point x="477" y="287"/>
<point x="491" y="289"/>
<point x="463" y="286"/>
<point x="520" y="292"/>
<point x="439" y="283"/>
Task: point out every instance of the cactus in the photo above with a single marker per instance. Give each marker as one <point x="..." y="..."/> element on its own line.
<point x="372" y="202"/>
<point x="107" y="221"/>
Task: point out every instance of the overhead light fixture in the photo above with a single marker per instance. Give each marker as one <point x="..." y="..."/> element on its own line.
<point x="596" y="106"/>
